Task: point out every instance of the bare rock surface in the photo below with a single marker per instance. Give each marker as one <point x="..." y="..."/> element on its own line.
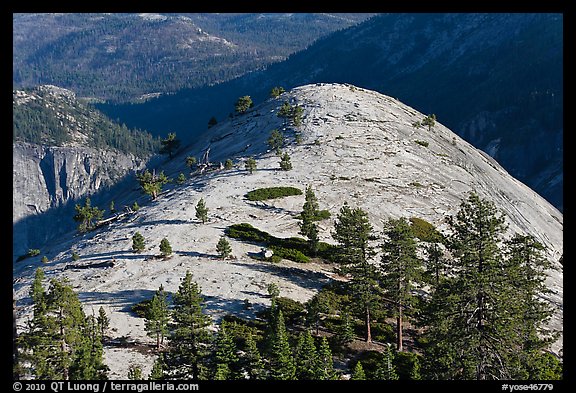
<point x="358" y="146"/>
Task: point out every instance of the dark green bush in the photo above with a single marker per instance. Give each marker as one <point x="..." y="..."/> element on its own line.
<point x="262" y="194"/>
<point x="404" y="362"/>
<point x="294" y="248"/>
<point x="247" y="233"/>
<point x="422" y="143"/>
<point x="141" y="308"/>
<point x="31" y="253"/>
<point x="290" y="253"/>
<point x="292" y="310"/>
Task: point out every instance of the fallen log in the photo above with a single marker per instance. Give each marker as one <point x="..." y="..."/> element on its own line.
<point x="90" y="265"/>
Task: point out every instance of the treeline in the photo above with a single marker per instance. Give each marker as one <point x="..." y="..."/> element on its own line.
<point x="51" y="120"/>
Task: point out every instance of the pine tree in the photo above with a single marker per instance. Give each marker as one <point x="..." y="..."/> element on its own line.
<point x="243" y="104"/>
<point x="222" y="372"/>
<point x="252" y="360"/>
<point x="135" y="372"/>
<point x="103" y="322"/>
<point x="88" y="363"/>
<point x="151" y="184"/>
<point x="435" y="264"/>
<point x="61" y="342"/>
<point x="358" y="373"/>
<point x="156" y="321"/>
<point x="415" y="370"/>
<point x="477" y="322"/>
<point x="250" y="165"/>
<point x="401" y="268"/>
<point x="308" y="226"/>
<point x="386" y="369"/>
<point x="170" y="145"/>
<point x="228" y="164"/>
<point x="138" y="242"/>
<point x="325" y="362"/>
<point x="345" y="331"/>
<point x="276" y="141"/>
<point x="202" y="211"/>
<point x="285" y="163"/>
<point x="226" y="357"/>
<point x="187" y="351"/>
<point x="285" y="111"/>
<point x="223" y="248"/>
<point x="181" y="179"/>
<point x="112" y="208"/>
<point x="157" y="372"/>
<point x="526" y="266"/>
<point x="306" y="357"/>
<point x="87" y="215"/>
<point x="429" y="121"/>
<point x="276" y="91"/>
<point x="165" y="248"/>
<point x="297" y="115"/>
<point x="315" y="307"/>
<point x="191" y="161"/>
<point x="352" y="231"/>
<point x="282" y="365"/>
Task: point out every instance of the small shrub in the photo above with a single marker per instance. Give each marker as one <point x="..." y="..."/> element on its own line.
<point x="339" y="137"/>
<point x="228" y="164"/>
<point x="317" y="142"/>
<point x="135" y="207"/>
<point x="262" y="194"/>
<point x="247" y="232"/>
<point x="75" y="256"/>
<point x="142" y="308"/>
<point x="422" y="143"/>
<point x="31" y="253"/>
<point x="424" y="231"/>
<point x="292" y="310"/>
<point x="290" y="253"/>
<point x="415" y="184"/>
<point x="44" y="259"/>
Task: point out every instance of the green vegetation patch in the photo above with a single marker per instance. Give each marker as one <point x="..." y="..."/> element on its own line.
<point x="424" y="230"/>
<point x="294" y="248"/>
<point x="319" y="216"/>
<point x="262" y="194"/>
<point x="31" y="253"/>
<point x="142" y="308"/>
<point x="422" y="143"/>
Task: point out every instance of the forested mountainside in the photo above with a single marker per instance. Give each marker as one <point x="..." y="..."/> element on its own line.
<point x="495" y="79"/>
<point x="53" y="116"/>
<point x="129" y="56"/>
<point x="64" y="149"/>
<point x="331" y="232"/>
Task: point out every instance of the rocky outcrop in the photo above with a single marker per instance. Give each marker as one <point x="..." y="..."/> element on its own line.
<point x="47" y="181"/>
<point x="358" y="146"/>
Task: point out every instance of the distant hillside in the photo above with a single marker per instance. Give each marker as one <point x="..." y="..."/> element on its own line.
<point x="124" y="57"/>
<point x="62" y="151"/>
<point x="495" y="79"/>
<point x="52" y="116"/>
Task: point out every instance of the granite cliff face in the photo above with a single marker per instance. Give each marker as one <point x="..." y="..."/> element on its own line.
<point x="48" y="181"/>
<point x="358" y="146"/>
